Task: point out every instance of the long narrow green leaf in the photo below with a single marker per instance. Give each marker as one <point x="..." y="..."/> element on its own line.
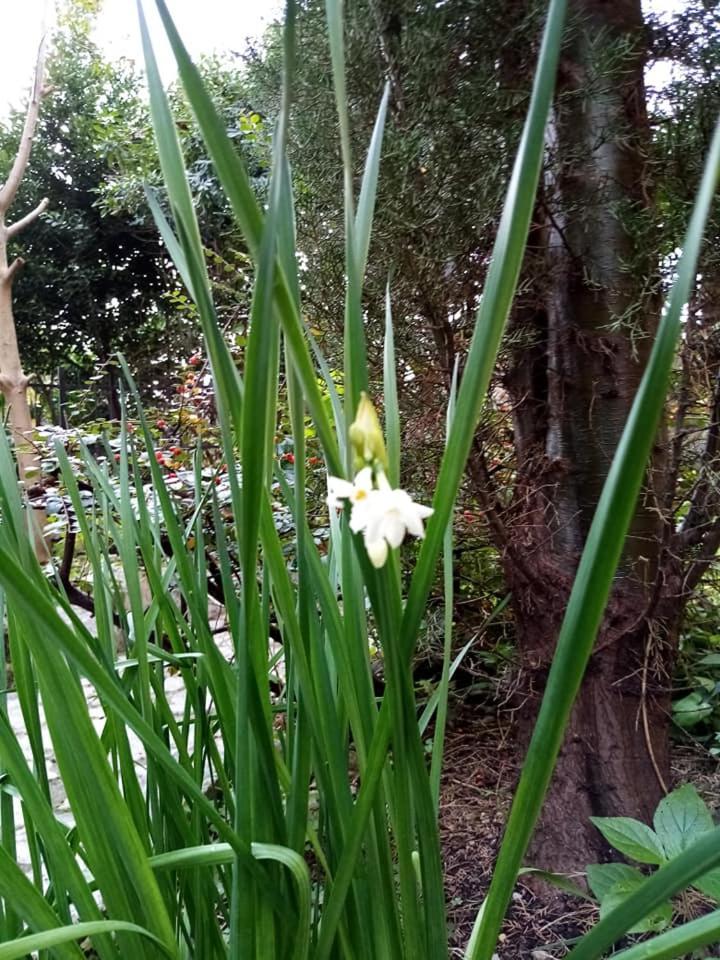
<point x="368" y="188"/>
<point x="678" y="942"/>
<point x="189" y="242"/>
<point x="56" y="939"/>
<point x="432" y="703"/>
<point x="63" y="868"/>
<point x="252" y="649"/>
<point x="53" y="632"/>
<point x="493" y="312"/>
<point x="115" y="851"/>
<point x="231" y="171"/>
<point x="217" y="853"/>
<point x="443" y="690"/>
<point x="28" y="902"/>
<point x="390" y="397"/>
<point x="335" y="28"/>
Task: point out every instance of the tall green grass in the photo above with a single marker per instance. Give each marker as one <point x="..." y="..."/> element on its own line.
<point x="317" y="838"/>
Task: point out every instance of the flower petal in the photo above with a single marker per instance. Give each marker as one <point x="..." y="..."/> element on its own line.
<point x="363" y="479"/>
<point x="382" y="482"/>
<point x="393" y="528"/>
<point x="338" y="490"/>
<point x="377" y="551"/>
<point x="414" y="523"/>
<point x="361" y="514"/>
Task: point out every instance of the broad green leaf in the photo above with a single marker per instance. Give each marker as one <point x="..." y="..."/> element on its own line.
<point x="602" y="876"/>
<point x="631" y="837"/>
<point x="710" y="660"/>
<point x="691" y="709"/>
<point x="680" y="819"/>
<point x="679" y="873"/>
<point x="655" y="921"/>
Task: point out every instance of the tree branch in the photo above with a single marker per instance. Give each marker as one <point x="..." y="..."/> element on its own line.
<point x="25" y="221"/>
<point x="696" y="570"/>
<point x="7" y="276"/>
<point x="704" y="500"/>
<point x="10" y="187"/>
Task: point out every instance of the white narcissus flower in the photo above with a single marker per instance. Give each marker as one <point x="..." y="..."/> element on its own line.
<point x="356" y="492"/>
<point x="383" y="515"/>
<point x="389" y="516"/>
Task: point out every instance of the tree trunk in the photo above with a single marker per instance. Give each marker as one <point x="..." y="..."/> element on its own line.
<point x="62" y="419"/>
<point x="13" y="382"/>
<point x="588" y="335"/>
<point x="615" y="758"/>
<point x="114" y="410"/>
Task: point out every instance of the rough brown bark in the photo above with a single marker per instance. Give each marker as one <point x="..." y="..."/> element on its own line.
<point x="588" y="334"/>
<point x="615" y="757"/>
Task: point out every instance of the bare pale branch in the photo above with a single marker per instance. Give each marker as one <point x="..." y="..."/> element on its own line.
<point x="10" y="187"/>
<point x="25" y="221"/>
<point x="8" y="275"/>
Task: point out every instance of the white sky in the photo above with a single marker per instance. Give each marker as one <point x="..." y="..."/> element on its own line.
<point x="205" y="26"/>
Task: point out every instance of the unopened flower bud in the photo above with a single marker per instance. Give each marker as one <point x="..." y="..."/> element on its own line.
<point x="366" y="435"/>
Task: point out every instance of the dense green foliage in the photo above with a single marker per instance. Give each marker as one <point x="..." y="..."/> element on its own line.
<point x="95" y="282"/>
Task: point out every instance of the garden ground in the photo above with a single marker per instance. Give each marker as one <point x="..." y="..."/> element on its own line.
<point x="482" y="763"/>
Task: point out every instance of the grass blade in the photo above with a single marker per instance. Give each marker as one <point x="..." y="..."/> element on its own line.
<point x="58" y="938"/>
<point x="679" y="942"/>
<point x="390" y="397"/>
